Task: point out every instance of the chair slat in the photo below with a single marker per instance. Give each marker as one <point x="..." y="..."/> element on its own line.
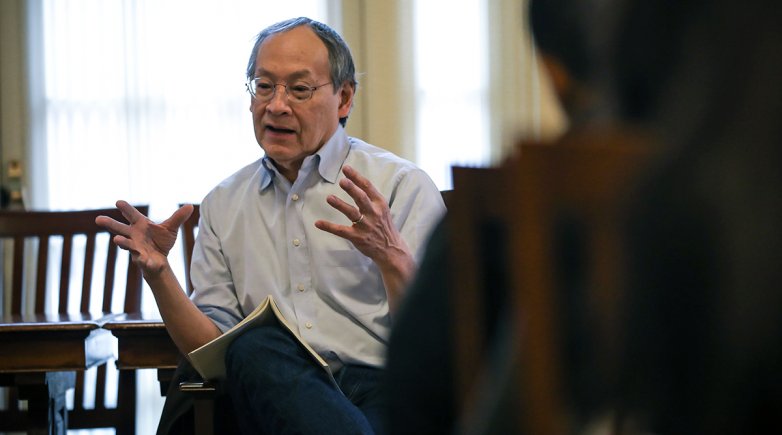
<point x="108" y="281"/>
<point x="86" y="283"/>
<point x="42" y="267"/>
<point x="65" y="271"/>
<point x="100" y="387"/>
<point x="17" y="275"/>
<point x="78" y="395"/>
<point x="188" y="241"/>
<point x="133" y="288"/>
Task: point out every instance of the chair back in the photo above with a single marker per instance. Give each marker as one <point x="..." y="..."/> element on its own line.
<point x="189" y="232"/>
<point x="46" y="249"/>
<point x="537" y="264"/>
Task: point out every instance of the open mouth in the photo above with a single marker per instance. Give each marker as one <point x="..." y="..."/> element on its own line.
<point x="279" y="130"/>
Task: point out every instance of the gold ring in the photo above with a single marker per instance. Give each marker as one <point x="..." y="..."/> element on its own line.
<point x="360" y="218"/>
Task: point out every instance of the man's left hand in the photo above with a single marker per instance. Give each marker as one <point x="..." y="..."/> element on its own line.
<point x="372" y="231"/>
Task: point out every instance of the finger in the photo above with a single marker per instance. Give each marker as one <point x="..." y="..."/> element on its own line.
<point x="130" y="212"/>
<point x="123" y="242"/>
<point x="112" y="225"/>
<point x="361" y="182"/>
<point x="336" y="229"/>
<point x="179" y="217"/>
<point x="363" y="202"/>
<point x="351" y="212"/>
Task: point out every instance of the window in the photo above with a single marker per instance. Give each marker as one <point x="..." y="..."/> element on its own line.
<point x="451" y="86"/>
<point x="145" y="100"/>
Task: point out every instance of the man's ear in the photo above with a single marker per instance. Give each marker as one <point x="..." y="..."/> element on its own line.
<point x="346" y="92"/>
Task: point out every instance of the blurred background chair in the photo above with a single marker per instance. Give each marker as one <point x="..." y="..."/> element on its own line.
<point x="67" y="253"/>
<point x="537" y="263"/>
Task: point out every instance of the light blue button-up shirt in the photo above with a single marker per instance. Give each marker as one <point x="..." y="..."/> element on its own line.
<point x="257" y="237"/>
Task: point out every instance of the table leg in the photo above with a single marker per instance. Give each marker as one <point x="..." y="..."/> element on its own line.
<point x="45" y="395"/>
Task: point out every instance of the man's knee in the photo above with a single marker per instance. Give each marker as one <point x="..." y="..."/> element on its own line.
<point x="250" y="349"/>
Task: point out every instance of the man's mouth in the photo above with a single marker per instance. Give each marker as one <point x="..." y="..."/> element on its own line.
<point x="280" y="130"/>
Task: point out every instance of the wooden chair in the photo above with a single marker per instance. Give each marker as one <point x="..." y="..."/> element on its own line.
<point x="189" y="230"/>
<point x="203" y="393"/>
<point x="536" y="258"/>
<point x="22" y="229"/>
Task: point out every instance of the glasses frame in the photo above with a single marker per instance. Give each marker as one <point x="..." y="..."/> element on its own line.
<point x="251" y="86"/>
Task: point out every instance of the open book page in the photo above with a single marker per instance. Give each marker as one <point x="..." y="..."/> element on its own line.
<point x="209" y="359"/>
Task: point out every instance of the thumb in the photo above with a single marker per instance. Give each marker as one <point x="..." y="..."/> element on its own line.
<point x="179" y="217"/>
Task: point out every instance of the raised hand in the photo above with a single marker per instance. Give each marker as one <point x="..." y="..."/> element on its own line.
<point x="372" y="231"/>
<point x="148" y="243"/>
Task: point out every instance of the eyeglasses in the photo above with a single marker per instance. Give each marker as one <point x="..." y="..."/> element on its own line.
<point x="264" y="90"/>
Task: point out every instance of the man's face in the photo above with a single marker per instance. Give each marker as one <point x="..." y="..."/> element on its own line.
<point x="287" y="130"/>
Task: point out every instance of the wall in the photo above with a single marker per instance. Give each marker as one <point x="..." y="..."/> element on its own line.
<point x="13" y="108"/>
<point x="379" y="34"/>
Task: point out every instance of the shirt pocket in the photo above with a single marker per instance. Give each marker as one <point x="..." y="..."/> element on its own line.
<point x="351" y="281"/>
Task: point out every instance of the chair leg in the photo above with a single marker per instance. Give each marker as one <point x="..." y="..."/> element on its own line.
<point x="204" y="414"/>
<point x="126" y="402"/>
<point x="47" y="411"/>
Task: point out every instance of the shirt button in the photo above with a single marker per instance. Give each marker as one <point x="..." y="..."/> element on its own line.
<point x="308" y="325"/>
<point x="295" y="197"/>
<point x="296" y="242"/>
<point x="301" y="287"/>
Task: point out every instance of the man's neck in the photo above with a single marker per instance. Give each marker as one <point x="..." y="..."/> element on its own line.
<point x="289" y="172"/>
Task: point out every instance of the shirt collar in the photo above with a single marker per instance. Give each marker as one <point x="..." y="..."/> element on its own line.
<point x="331" y="156"/>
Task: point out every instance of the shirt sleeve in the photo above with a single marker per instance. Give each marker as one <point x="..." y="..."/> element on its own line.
<point x="416" y="206"/>
<point x="213" y="289"/>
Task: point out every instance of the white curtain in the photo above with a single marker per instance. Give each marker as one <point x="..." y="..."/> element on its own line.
<point x="451" y="86"/>
<point x="144" y="100"/>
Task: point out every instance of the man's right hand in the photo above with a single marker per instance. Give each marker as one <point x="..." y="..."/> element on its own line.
<point x="147" y="242"/>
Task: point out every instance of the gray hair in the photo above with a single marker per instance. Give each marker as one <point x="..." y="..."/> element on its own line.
<point x="340" y="60"/>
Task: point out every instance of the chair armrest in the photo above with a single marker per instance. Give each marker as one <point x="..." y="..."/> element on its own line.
<point x="198" y="387"/>
<point x="203" y="393"/>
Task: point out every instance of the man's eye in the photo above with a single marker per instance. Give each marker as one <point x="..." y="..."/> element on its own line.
<point x="261" y="86"/>
<point x="300" y="88"/>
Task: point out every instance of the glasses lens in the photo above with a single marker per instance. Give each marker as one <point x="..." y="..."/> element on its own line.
<point x="263" y="89"/>
<point x="299" y="92"/>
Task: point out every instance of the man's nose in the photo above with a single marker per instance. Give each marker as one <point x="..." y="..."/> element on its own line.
<point x="279" y="97"/>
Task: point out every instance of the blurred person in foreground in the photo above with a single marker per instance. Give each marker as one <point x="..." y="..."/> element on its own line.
<point x="420" y="376"/>
<point x="704" y="307"/>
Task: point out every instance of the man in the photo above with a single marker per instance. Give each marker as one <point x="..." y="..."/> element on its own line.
<point x="327" y="224"/>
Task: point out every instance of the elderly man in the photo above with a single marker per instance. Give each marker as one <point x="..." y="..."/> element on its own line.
<point x="329" y="225"/>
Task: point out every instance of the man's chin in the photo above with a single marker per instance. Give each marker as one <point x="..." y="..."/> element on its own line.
<point x="277" y="147"/>
<point x="280" y="155"/>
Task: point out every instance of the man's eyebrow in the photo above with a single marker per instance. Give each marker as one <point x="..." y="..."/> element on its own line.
<point x="299" y="74"/>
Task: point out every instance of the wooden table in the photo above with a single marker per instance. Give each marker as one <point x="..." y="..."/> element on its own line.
<point x="144" y="343"/>
<point x="40" y="354"/>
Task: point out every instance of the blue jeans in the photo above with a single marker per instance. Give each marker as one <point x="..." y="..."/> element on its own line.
<point x="276" y="388"/>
